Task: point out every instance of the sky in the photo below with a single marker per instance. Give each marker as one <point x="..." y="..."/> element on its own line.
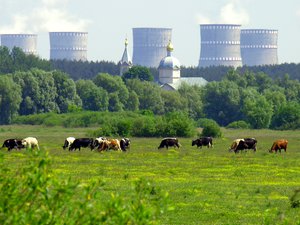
<point x="109" y="22"/>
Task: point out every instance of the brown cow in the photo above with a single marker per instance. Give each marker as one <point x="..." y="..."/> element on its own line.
<point x="109" y="144"/>
<point x="278" y="145"/>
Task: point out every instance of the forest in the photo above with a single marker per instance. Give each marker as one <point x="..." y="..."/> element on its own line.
<point x="258" y="97"/>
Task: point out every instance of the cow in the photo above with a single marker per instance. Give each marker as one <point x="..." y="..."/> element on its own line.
<point x="30" y="142"/>
<point x="169" y="142"/>
<point x="241" y="144"/>
<point x="124" y="144"/>
<point x="109" y="144"/>
<point x="81" y="142"/>
<point x="278" y="145"/>
<point x="203" y="141"/>
<point x="12" y="144"/>
<point x="68" y="142"/>
<point x="97" y="142"/>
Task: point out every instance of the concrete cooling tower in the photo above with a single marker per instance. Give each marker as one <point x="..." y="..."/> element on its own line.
<point x="220" y="45"/>
<point x="259" y="47"/>
<point x="27" y="42"/>
<point x="149" y="45"/>
<point x="68" y="45"/>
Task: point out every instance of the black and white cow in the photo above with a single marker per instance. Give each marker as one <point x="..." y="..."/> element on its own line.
<point x="81" y="142"/>
<point x="169" y="142"/>
<point x="125" y="144"/>
<point x="12" y="144"/>
<point x="68" y="142"/>
<point x="242" y="144"/>
<point x="203" y="141"/>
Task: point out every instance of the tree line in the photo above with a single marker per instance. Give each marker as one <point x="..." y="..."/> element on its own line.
<point x="240" y="98"/>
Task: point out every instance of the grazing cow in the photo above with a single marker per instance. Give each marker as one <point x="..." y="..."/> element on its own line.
<point x="241" y="144"/>
<point x="109" y="144"/>
<point x="68" y="142"/>
<point x="12" y="143"/>
<point x="124" y="144"/>
<point x="204" y="141"/>
<point x="81" y="142"/>
<point x="30" y="142"/>
<point x="169" y="142"/>
<point x="278" y="145"/>
<point x="97" y="142"/>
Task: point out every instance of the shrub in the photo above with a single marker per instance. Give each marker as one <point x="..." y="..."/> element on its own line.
<point x="240" y="124"/>
<point x="210" y="128"/>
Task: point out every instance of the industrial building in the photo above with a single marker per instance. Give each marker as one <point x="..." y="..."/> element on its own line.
<point x="27" y="42"/>
<point x="149" y="45"/>
<point x="220" y="45"/>
<point x="259" y="47"/>
<point x="68" y="45"/>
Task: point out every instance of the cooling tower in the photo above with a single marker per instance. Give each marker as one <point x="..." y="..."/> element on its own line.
<point x="27" y="42"/>
<point x="220" y="45"/>
<point x="149" y="45"/>
<point x="68" y="45"/>
<point x="259" y="47"/>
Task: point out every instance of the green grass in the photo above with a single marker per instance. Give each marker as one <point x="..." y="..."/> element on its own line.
<point x="205" y="186"/>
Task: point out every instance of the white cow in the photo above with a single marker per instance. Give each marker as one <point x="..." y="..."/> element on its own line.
<point x="68" y="142"/>
<point x="30" y="142"/>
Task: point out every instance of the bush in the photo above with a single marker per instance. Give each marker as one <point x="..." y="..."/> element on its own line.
<point x="238" y="125"/>
<point x="210" y="128"/>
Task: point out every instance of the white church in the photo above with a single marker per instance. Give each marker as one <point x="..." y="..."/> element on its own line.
<point x="169" y="70"/>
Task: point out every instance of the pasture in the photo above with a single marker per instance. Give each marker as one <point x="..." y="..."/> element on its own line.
<point x="205" y="186"/>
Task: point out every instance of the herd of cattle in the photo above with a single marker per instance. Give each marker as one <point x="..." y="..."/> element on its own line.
<point x="103" y="144"/>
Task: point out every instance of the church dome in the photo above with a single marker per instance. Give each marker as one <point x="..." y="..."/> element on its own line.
<point x="169" y="62"/>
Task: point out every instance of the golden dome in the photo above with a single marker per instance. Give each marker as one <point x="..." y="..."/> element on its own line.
<point x="126" y="42"/>
<point x="170" y="47"/>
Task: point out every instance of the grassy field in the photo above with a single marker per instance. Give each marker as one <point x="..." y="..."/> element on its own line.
<point x="205" y="186"/>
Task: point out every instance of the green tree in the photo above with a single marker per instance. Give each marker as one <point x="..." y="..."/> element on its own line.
<point x="257" y="110"/>
<point x="66" y="92"/>
<point x="93" y="98"/>
<point x="38" y="91"/>
<point x="138" y="72"/>
<point x="114" y="104"/>
<point x="149" y="95"/>
<point x="10" y="99"/>
<point x="193" y="96"/>
<point x="6" y="63"/>
<point x="287" y="116"/>
<point x="132" y="102"/>
<point x="173" y="101"/>
<point x="113" y="84"/>
<point x="222" y="102"/>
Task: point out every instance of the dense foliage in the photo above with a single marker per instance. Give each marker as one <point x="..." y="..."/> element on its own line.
<point x="17" y="60"/>
<point x="142" y="124"/>
<point x="241" y="94"/>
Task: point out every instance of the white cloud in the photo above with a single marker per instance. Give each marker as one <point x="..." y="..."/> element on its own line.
<point x="232" y="12"/>
<point x="201" y="19"/>
<point x="50" y="15"/>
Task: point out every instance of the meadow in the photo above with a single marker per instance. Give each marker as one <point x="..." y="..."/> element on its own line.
<point x="205" y="186"/>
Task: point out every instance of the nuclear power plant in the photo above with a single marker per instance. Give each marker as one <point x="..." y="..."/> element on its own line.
<point x="27" y="42"/>
<point x="220" y="45"/>
<point x="68" y="45"/>
<point x="259" y="47"/>
<point x="149" y="45"/>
